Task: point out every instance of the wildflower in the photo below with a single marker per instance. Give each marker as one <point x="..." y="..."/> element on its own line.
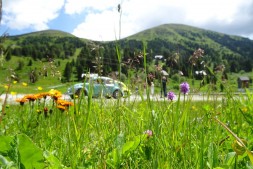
<point x="45" y="111"/>
<point x="38" y="96"/>
<point x="24" y="84"/>
<point x="14" y="82"/>
<point x="39" y="111"/>
<point x="22" y="101"/>
<point x="64" y="103"/>
<point x="13" y="93"/>
<point x="55" y="94"/>
<point x="6" y="86"/>
<point x="171" y="96"/>
<point x="40" y="88"/>
<point x="62" y="108"/>
<point x="244" y="109"/>
<point x="44" y="95"/>
<point x="194" y="108"/>
<point x="31" y="97"/>
<point x="149" y="133"/>
<point x="184" y="87"/>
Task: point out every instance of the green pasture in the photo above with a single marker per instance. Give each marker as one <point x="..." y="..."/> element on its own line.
<point x="109" y="133"/>
<point x="124" y="133"/>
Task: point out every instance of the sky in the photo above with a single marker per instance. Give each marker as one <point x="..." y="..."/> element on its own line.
<point x="102" y="20"/>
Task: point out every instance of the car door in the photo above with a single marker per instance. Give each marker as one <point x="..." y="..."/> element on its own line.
<point x="108" y="87"/>
<point x="97" y="87"/>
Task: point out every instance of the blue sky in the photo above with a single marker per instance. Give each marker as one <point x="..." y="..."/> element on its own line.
<point x="99" y="19"/>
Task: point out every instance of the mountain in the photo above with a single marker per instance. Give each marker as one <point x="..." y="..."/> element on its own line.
<point x="188" y="37"/>
<point x="235" y="52"/>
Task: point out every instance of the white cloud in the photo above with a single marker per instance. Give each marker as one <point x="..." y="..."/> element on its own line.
<point x="101" y="18"/>
<point x="22" y="14"/>
<point x="98" y="27"/>
<point x="142" y="14"/>
<point x="78" y="6"/>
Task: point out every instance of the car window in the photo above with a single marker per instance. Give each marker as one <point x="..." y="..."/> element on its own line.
<point x="100" y="81"/>
<point x="108" y="81"/>
<point x="95" y="81"/>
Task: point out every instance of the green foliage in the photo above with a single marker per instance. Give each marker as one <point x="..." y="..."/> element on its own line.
<point x="67" y="72"/>
<point x="19" y="151"/>
<point x="175" y="42"/>
<point x="126" y="133"/>
<point x="124" y="150"/>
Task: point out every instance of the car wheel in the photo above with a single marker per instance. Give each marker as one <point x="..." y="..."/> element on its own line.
<point x="117" y="94"/>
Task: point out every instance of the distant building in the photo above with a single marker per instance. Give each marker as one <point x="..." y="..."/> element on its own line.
<point x="158" y="56"/>
<point x="243" y="82"/>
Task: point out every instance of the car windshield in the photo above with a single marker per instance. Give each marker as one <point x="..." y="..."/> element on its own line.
<point x="100" y="80"/>
<point x="109" y="81"/>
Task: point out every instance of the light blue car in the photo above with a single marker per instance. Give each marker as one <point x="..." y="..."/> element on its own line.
<point x="99" y="86"/>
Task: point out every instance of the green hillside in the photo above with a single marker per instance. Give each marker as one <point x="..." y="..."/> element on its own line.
<point x="188" y="36"/>
<point x="49" y="33"/>
<point x="52" y="52"/>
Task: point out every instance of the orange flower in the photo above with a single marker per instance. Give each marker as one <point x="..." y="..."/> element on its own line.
<point x="38" y="96"/>
<point x="45" y="94"/>
<point x="22" y="101"/>
<point x="62" y="108"/>
<point x="31" y="97"/>
<point x="64" y="103"/>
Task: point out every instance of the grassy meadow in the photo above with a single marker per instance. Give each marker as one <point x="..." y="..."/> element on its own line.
<point x="44" y="131"/>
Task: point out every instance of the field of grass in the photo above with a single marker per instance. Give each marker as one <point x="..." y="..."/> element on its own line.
<point x="109" y="133"/>
<point x="45" y="131"/>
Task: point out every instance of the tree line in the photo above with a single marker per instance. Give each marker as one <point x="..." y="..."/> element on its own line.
<point x="102" y="57"/>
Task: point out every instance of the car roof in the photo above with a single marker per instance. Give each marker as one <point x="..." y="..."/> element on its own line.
<point x="101" y="77"/>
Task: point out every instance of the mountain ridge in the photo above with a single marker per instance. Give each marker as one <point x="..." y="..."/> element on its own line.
<point x="169" y="27"/>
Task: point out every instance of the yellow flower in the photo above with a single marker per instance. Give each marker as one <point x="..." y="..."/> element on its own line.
<point x="13" y="93"/>
<point x="194" y="108"/>
<point x="40" y="88"/>
<point x="55" y="94"/>
<point x="14" y="82"/>
<point x="244" y="109"/>
<point x="24" y="84"/>
<point x="6" y="86"/>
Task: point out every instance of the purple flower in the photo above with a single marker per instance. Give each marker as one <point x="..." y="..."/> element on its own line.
<point x="171" y="96"/>
<point x="149" y="133"/>
<point x="184" y="87"/>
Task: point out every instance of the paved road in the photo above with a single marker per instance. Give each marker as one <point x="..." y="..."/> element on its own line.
<point x="11" y="99"/>
<point x="194" y="97"/>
